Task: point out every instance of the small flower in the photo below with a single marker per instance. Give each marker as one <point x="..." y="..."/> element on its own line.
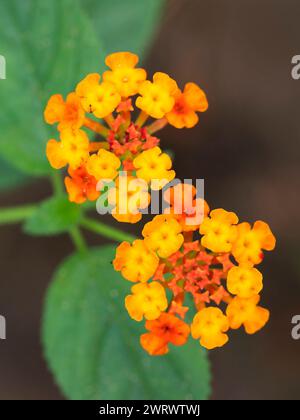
<point x="55" y="154"/>
<point x="189" y="101"/>
<point x="244" y="282"/>
<point x="69" y="114"/>
<point x="185" y="207"/>
<point x="247" y="249"/>
<point x="209" y="325"/>
<point x="154" y="167"/>
<point x="101" y="99"/>
<point x="81" y="186"/>
<point x="246" y="312"/>
<point x="163" y="235"/>
<point x="163" y="331"/>
<point x="219" y="230"/>
<point x="103" y="165"/>
<point x="85" y="88"/>
<point x="147" y="300"/>
<point x="136" y="262"/>
<point x="73" y="149"/>
<point x="128" y="198"/>
<point x="157" y="98"/>
<point x="124" y="76"/>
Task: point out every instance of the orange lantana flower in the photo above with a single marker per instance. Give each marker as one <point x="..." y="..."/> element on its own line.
<point x="69" y="114"/>
<point x="186" y="208"/>
<point x="251" y="241"/>
<point x="163" y="331"/>
<point x="81" y="186"/>
<point x="187" y="103"/>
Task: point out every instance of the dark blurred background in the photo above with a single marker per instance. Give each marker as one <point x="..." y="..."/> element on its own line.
<point x="247" y="148"/>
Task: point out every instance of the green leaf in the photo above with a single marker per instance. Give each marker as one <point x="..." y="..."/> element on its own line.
<point x="54" y="216"/>
<point x="92" y="346"/>
<point x="125" y="25"/>
<point x="49" y="46"/>
<point x="10" y="177"/>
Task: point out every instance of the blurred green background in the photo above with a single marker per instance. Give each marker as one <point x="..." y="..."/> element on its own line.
<point x="246" y="147"/>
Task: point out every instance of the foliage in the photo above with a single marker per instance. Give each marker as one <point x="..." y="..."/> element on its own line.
<point x="92" y="345"/>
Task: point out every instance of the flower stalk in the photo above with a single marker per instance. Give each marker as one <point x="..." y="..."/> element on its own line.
<point x="11" y="215"/>
<point x="106" y="231"/>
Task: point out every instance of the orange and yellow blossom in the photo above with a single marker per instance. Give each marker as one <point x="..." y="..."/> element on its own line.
<point x="103" y="165"/>
<point x="163" y="235"/>
<point x="110" y="97"/>
<point x="69" y="114"/>
<point x="123" y="74"/>
<point x="128" y="198"/>
<point x="247" y="249"/>
<point x="188" y="267"/>
<point x="167" y="329"/>
<point x="152" y="165"/>
<point x="246" y="312"/>
<point x="157" y="97"/>
<point x="219" y="230"/>
<point x="100" y="99"/>
<point x="216" y="269"/>
<point x="147" y="300"/>
<point x="73" y="149"/>
<point x="187" y="103"/>
<point x="210" y="325"/>
<point x="136" y="262"/>
<point x="81" y="186"/>
<point x="244" y="282"/>
<point x="185" y="207"/>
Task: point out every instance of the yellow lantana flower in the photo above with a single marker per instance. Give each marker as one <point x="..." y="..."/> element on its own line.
<point x="163" y="235"/>
<point x="73" y="149"/>
<point x="101" y="99"/>
<point x="157" y="98"/>
<point x="219" y="230"/>
<point x="244" y="282"/>
<point x="147" y="300"/>
<point x="154" y="167"/>
<point x="136" y="262"/>
<point x="84" y="89"/>
<point x="209" y="325"/>
<point x="246" y="312"/>
<point x="103" y="165"/>
<point x="123" y="75"/>
<point x="248" y="247"/>
<point x="55" y="154"/>
<point x="127" y="198"/>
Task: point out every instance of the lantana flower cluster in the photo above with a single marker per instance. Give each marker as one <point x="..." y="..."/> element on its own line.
<point x="190" y="279"/>
<point x="104" y="106"/>
<point x="211" y="267"/>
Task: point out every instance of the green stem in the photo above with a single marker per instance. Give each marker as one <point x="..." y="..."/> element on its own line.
<point x="106" y="231"/>
<point x="78" y="239"/>
<point x="11" y="215"/>
<point x="57" y="183"/>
